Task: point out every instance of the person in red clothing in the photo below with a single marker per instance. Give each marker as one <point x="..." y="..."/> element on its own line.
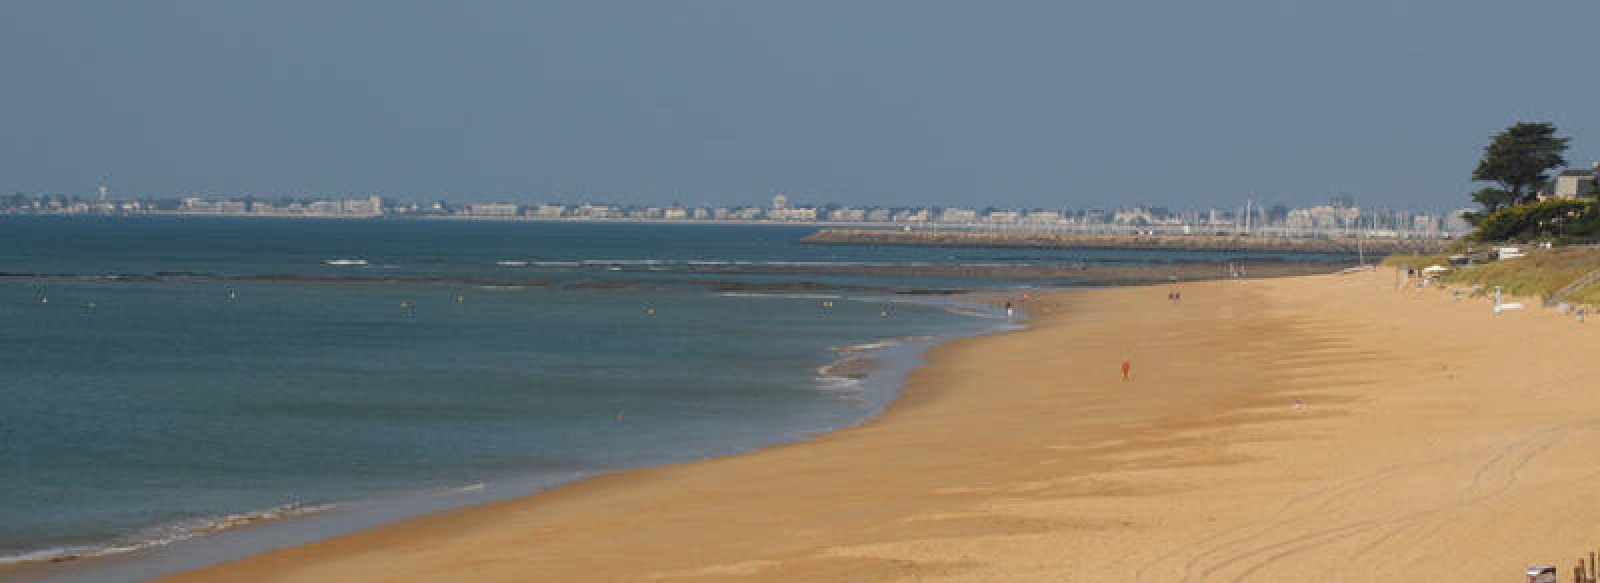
<point x="1127" y="365"/>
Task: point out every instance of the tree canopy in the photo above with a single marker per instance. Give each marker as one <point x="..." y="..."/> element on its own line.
<point x="1560" y="220"/>
<point x="1492" y="199"/>
<point x="1518" y="159"/>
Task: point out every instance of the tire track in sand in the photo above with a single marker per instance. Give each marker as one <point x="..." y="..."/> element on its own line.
<point x="1260" y="551"/>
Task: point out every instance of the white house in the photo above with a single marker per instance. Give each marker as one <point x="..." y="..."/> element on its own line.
<point x="1577" y="183"/>
<point x="493" y="209"/>
<point x="958" y="215"/>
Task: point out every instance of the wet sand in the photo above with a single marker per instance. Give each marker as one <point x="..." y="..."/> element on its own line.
<point x="1325" y="428"/>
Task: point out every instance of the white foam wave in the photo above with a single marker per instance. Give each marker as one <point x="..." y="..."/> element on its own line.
<point x="165" y="534"/>
<point x="854" y="348"/>
<point x="812" y="263"/>
<point x="48" y="555"/>
<point x="881" y="344"/>
<point x="836" y="384"/>
<point x="713" y="262"/>
<point x="467" y="489"/>
<point x="612" y="262"/>
<point x="960" y="311"/>
<point x="782" y="296"/>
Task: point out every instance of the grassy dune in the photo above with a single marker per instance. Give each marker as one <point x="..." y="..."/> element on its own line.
<point x="1542" y="272"/>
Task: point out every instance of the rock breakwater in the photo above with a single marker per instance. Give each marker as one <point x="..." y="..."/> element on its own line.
<point x="1196" y="242"/>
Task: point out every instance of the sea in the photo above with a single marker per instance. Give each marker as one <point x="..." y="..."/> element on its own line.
<point x="181" y="391"/>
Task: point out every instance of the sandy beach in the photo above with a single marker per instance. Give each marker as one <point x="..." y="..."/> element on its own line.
<point x="1322" y="428"/>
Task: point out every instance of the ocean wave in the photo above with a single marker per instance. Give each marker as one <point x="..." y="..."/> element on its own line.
<point x="615" y="262"/>
<point x="846" y="376"/>
<point x="467" y="489"/>
<point x="961" y="311"/>
<point x="810" y="263"/>
<point x="802" y="289"/>
<point x="781" y="296"/>
<point x="847" y="386"/>
<point x="881" y="344"/>
<point x="344" y="261"/>
<point x="853" y="367"/>
<point x="54" y="555"/>
<point x="721" y="263"/>
<point x="511" y="263"/>
<point x="164" y="535"/>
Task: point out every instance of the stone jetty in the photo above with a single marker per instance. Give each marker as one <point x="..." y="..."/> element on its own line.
<point x="1051" y="240"/>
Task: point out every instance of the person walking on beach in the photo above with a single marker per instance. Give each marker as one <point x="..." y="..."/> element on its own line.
<point x="1127" y="365"/>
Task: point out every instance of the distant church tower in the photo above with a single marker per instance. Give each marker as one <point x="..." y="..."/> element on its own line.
<point x="780" y="202"/>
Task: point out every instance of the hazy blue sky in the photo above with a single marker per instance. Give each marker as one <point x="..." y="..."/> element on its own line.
<point x="1012" y="104"/>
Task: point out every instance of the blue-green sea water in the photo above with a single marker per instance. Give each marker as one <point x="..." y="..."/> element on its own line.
<point x="161" y="375"/>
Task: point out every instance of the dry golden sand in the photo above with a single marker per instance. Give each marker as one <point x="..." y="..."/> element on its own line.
<point x="1436" y="441"/>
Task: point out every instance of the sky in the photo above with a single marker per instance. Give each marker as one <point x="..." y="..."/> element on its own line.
<point x="1011" y="104"/>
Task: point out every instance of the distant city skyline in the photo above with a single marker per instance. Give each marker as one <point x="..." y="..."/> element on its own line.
<point x="780" y="200"/>
<point x="1339" y="217"/>
<point x="1026" y="104"/>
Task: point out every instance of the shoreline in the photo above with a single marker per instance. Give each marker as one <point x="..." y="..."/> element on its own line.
<point x="1317" y="428"/>
<point x="874" y="370"/>
<point x="1313" y="428"/>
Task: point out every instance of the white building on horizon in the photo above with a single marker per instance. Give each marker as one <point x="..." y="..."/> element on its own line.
<point x="1574" y="183"/>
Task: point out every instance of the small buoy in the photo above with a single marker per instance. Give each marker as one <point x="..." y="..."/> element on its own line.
<point x="620" y="415"/>
<point x="44" y="299"/>
<point x="461" y="299"/>
<point x="232" y="295"/>
<point x="883" y="314"/>
<point x="650" y="311"/>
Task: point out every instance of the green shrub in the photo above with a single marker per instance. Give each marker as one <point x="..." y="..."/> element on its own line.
<point x="1564" y="220"/>
<point x="1543" y="271"/>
